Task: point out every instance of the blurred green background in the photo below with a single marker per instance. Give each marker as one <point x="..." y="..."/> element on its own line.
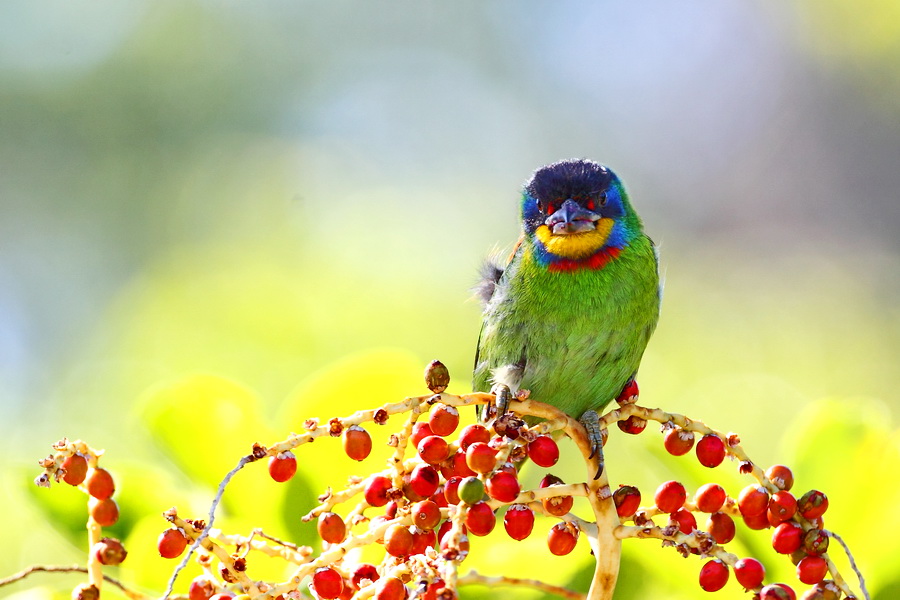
<point x="217" y="219"/>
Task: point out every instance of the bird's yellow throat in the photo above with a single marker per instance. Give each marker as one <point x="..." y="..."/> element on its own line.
<point x="575" y="245"/>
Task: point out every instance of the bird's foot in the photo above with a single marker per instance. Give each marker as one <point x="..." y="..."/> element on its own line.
<point x="500" y="405"/>
<point x="591" y="422"/>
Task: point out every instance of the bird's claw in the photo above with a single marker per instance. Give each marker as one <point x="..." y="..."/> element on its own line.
<point x="591" y="422"/>
<point x="500" y="405"/>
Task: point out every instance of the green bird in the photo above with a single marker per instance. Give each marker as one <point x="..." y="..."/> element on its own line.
<point x="570" y="314"/>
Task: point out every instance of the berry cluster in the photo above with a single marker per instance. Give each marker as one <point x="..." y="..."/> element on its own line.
<point x="445" y="486"/>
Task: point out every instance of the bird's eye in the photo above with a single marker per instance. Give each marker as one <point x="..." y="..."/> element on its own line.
<point x="590" y="204"/>
<point x="603" y="199"/>
<point x="550" y="208"/>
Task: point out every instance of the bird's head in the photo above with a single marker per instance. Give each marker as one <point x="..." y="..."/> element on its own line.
<point x="574" y="209"/>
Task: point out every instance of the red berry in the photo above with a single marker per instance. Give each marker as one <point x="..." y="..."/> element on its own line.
<point x="456" y="466"/>
<point x="451" y="490"/>
<point x="443" y="419"/>
<point x="812" y="504"/>
<point x="757" y="522"/>
<point x="678" y="442"/>
<point x="433" y="449"/>
<point x="480" y="519"/>
<point x="713" y="575"/>
<point x="363" y="572"/>
<point x="327" y="583"/>
<point x="710" y="450"/>
<point x="543" y="451"/>
<point x="518" y="521"/>
<point x="720" y="527"/>
<point x="331" y="528"/>
<point x="420" y="431"/>
<point x="629" y="394"/>
<point x="390" y="588"/>
<point x="109" y="551"/>
<point x="481" y="458"/>
<point x="787" y="537"/>
<point x="627" y="500"/>
<point x="105" y="512"/>
<point x="815" y="542"/>
<point x="471" y="434"/>
<point x="670" y="496"/>
<point x="710" y="498"/>
<point x="782" y="506"/>
<point x="426" y="515"/>
<point x="812" y="569"/>
<point x="282" y="466"/>
<point x="749" y="572"/>
<point x="100" y="484"/>
<point x="422" y="540"/>
<point x="171" y="543"/>
<point x="357" y="442"/>
<point x="781" y="476"/>
<point x="562" y="538"/>
<point x="633" y="425"/>
<point x="556" y="505"/>
<point x="75" y="466"/>
<point x="503" y="486"/>
<point x="684" y="519"/>
<point x="753" y="500"/>
<point x="201" y="588"/>
<point x="777" y="591"/>
<point x="471" y="490"/>
<point x="376" y="491"/>
<point x="222" y="596"/>
<point x="398" y="540"/>
<point x="424" y="480"/>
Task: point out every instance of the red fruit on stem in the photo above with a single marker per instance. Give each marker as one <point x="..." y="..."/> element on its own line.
<point x="503" y="486"/>
<point x="713" y="575"/>
<point x="781" y="476"/>
<point x="422" y="540"/>
<point x="376" y="491"/>
<point x="455" y="466"/>
<point x="451" y="490"/>
<point x="629" y="394"/>
<point x="75" y="466"/>
<point x="720" y="527"/>
<point x="812" y="569"/>
<point x="627" y="500"/>
<point x="782" y="506"/>
<point x="357" y="442"/>
<point x="543" y="451"/>
<point x="684" y="519"/>
<point x="282" y="466"/>
<point x="749" y="572"/>
<point x="777" y="591"/>
<point x="426" y="515"/>
<point x="562" y="538"/>
<point x="678" y="442"/>
<point x="815" y="542"/>
<point x="632" y="425"/>
<point x="710" y="497"/>
<point x="424" y="480"/>
<point x="518" y="521"/>
<point x="327" y="583"/>
<point x="443" y="419"/>
<point x="331" y="528"/>
<point x="420" y="431"/>
<point x="100" y="484"/>
<point x="710" y="450"/>
<point x="363" y="572"/>
<point x="398" y="540"/>
<point x="812" y="504"/>
<point x="109" y="551"/>
<point x="171" y="543"/>
<point x="201" y="588"/>
<point x="787" y="538"/>
<point x="757" y="522"/>
<point x="471" y="434"/>
<point x="753" y="500"/>
<point x="390" y="588"/>
<point x="433" y="449"/>
<point x="670" y="496"/>
<point x="105" y="512"/>
<point x="556" y="505"/>
<point x="481" y="458"/>
<point x="480" y="519"/>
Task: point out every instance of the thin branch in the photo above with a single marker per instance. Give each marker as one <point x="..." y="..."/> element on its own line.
<point x="862" y="582"/>
<point x="474" y="578"/>
<point x="134" y="595"/>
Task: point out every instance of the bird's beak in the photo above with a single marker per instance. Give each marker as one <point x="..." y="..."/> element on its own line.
<point x="572" y="218"/>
